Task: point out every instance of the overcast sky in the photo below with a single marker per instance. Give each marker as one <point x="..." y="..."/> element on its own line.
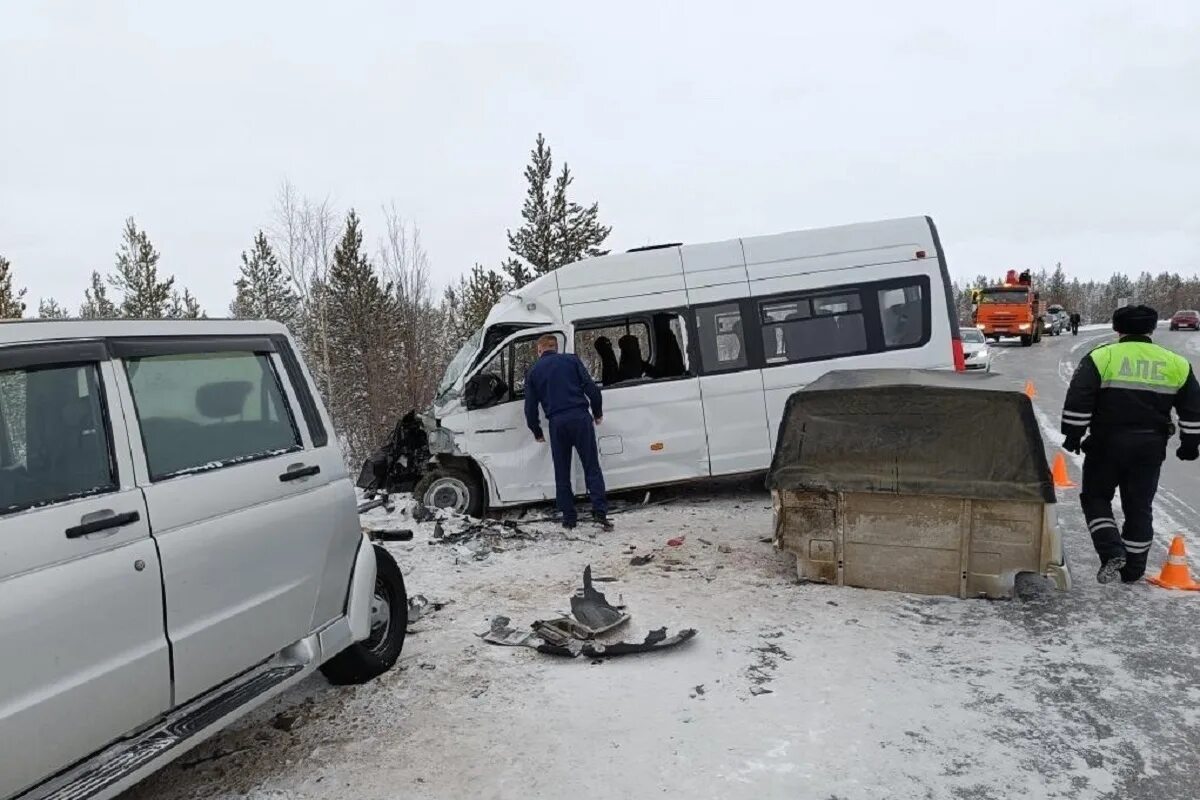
<point x="1032" y="132"/>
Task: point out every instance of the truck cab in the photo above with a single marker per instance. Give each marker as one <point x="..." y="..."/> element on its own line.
<point x="1010" y="310"/>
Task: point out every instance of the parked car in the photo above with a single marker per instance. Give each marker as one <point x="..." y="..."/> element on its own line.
<point x="976" y="352"/>
<point x="180" y="543"/>
<point x="1186" y="319"/>
<point x="713" y="339"/>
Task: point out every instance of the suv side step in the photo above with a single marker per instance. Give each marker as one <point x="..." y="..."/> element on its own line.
<point x="127" y="761"/>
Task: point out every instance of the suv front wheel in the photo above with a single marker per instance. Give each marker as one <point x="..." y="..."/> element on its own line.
<point x="375" y="655"/>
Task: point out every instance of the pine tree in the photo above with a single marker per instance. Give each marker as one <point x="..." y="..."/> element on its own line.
<point x="48" y="308"/>
<point x="96" y="304"/>
<point x="556" y="230"/>
<point x="363" y="317"/>
<point x="144" y="296"/>
<point x="11" y="304"/>
<point x="263" y="290"/>
<point x="534" y="240"/>
<point x="577" y="232"/>
<point x="183" y="306"/>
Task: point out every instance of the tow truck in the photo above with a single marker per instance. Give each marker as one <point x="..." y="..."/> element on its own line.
<point x="1010" y="309"/>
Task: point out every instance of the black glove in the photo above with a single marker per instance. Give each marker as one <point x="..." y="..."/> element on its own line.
<point x="1073" y="443"/>
<point x="1188" y="451"/>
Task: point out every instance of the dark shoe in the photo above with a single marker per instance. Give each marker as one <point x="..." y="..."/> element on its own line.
<point x="601" y="520"/>
<point x="1110" y="569"/>
<point x="569" y="524"/>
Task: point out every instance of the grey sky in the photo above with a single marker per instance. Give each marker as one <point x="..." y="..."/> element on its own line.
<point x="1031" y="131"/>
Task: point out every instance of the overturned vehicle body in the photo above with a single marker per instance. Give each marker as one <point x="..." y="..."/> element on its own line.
<point x="914" y="481"/>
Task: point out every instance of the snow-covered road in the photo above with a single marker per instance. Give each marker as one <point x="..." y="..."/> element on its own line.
<point x="1090" y="694"/>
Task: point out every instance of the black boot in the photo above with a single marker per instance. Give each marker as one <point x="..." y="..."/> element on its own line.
<point x="1110" y="570"/>
<point x="601" y="519"/>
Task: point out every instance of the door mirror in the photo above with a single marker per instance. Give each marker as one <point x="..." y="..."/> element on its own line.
<point x="484" y="390"/>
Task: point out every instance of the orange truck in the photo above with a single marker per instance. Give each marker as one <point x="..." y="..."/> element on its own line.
<point x="1010" y="309"/>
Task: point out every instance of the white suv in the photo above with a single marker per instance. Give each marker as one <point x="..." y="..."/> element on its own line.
<point x="178" y="542"/>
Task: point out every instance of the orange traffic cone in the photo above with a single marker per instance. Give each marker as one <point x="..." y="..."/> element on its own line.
<point x="1175" y="574"/>
<point x="1030" y="392"/>
<point x="1061" y="479"/>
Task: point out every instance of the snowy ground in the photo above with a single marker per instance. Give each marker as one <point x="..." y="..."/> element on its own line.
<point x="1089" y="694"/>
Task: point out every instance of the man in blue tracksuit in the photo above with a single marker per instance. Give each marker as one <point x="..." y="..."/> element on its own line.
<point x="571" y="399"/>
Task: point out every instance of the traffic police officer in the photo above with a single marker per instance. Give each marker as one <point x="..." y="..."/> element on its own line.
<point x="1124" y="392"/>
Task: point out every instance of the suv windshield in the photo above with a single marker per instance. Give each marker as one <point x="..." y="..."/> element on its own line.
<point x="458" y="364"/>
<point x="1019" y="296"/>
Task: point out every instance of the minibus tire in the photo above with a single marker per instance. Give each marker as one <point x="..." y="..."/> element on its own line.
<point x="471" y="485"/>
<point x="375" y="655"/>
<point x="1026" y="341"/>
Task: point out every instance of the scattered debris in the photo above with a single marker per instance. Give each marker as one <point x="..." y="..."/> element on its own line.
<point x="438" y="531"/>
<point x="592" y="616"/>
<point x="371" y="504"/>
<point x="392" y="535"/>
<point x="698" y="690"/>
<point x="705" y="542"/>
<point x="677" y="541"/>
<point x="641" y="561"/>
<point x="420" y="606"/>
<point x="757" y="690"/>
<point x="592" y="608"/>
<point x="421" y="512"/>
<point x="427" y="665"/>
<point x="724" y="548"/>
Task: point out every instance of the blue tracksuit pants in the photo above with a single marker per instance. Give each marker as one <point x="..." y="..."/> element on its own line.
<point x="574" y="430"/>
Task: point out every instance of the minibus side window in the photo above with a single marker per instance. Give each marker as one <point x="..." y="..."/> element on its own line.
<point x="722" y="338"/>
<point x="649" y="346"/>
<point x="902" y="313"/>
<point x="813" y="327"/>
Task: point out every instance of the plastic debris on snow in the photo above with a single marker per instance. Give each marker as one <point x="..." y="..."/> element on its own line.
<point x="582" y="633"/>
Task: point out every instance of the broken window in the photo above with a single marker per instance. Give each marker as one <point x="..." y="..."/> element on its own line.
<point x="637" y="348"/>
<point x="808" y="328"/>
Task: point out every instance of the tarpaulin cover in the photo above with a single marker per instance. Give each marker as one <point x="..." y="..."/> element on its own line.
<point x="912" y="432"/>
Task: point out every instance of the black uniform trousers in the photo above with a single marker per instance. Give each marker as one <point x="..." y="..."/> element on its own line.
<point x="1129" y="462"/>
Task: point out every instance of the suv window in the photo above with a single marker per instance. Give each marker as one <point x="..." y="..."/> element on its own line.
<point x="54" y="442"/>
<point x="207" y="410"/>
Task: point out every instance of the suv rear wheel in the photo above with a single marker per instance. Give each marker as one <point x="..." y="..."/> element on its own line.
<point x="375" y="655"/>
<point x="453" y="489"/>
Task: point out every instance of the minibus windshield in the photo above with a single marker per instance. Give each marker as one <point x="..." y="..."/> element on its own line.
<point x="458" y="364"/>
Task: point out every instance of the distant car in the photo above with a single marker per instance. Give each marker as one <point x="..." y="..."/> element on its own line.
<point x="1057" y="321"/>
<point x="1186" y="319"/>
<point x="976" y="352"/>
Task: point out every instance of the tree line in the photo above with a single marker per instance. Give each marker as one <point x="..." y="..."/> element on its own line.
<point x="374" y="331"/>
<point x="1095" y="300"/>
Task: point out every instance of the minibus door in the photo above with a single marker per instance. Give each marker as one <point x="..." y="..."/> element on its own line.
<point x="518" y="467"/>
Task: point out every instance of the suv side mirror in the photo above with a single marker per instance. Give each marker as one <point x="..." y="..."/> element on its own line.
<point x="484" y="390"/>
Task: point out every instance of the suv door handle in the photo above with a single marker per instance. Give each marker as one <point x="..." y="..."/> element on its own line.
<point x="102" y="524"/>
<point x="298" y="471"/>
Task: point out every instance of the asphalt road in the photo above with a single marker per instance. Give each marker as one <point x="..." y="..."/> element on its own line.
<point x="1152" y="633"/>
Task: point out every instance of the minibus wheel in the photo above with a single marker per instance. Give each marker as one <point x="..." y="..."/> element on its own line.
<point x="451" y="489"/>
